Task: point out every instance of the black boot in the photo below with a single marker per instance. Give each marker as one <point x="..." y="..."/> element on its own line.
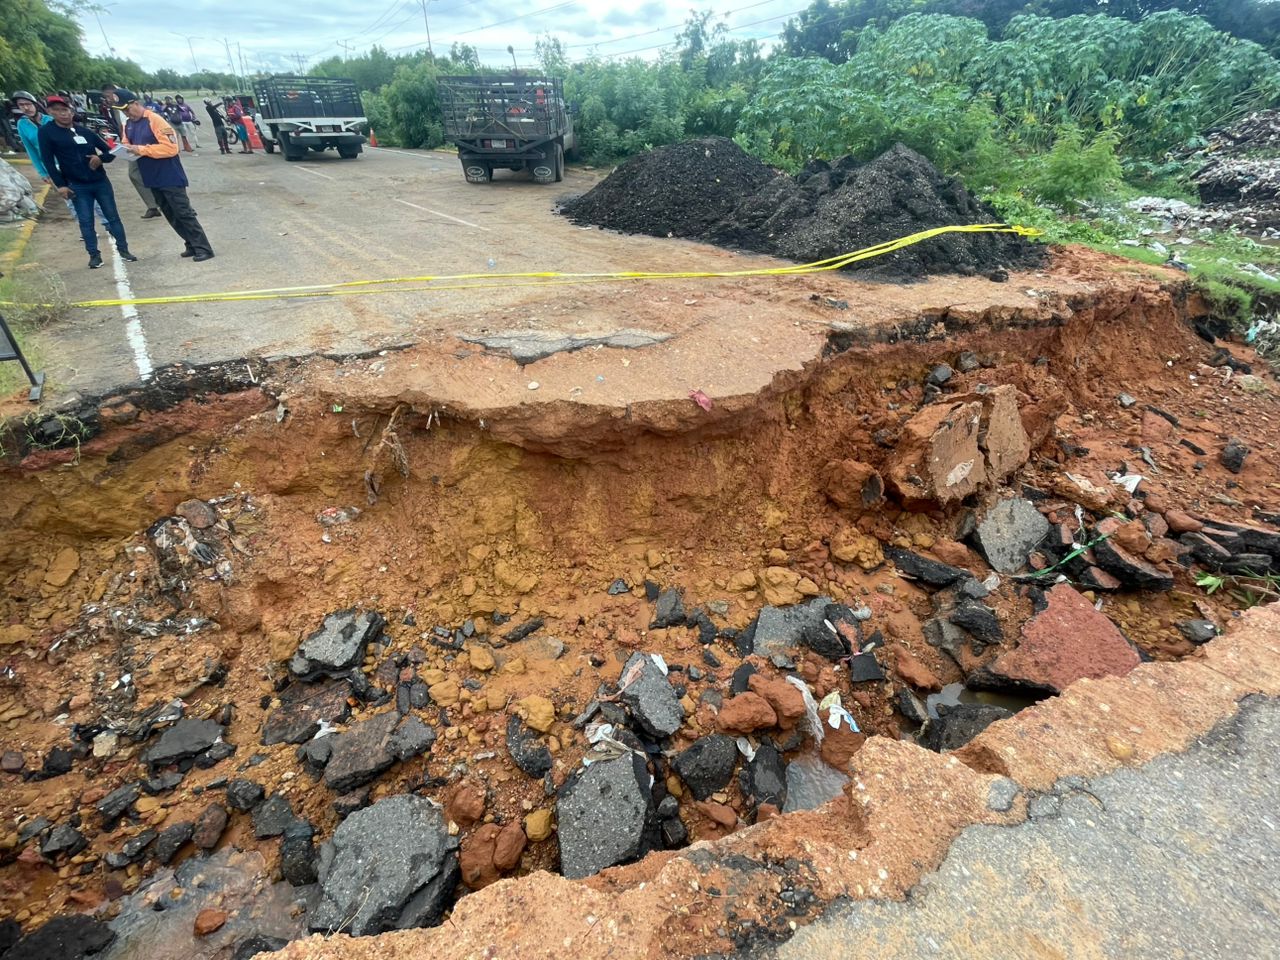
<point x="95" y="261"/>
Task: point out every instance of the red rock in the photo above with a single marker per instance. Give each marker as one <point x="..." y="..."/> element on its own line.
<point x="1066" y="641"/>
<point x="786" y="700"/>
<point x="746" y="713"/>
<point x="956" y="554"/>
<point x="476" y="856"/>
<point x="1180" y="522"/>
<point x="766" y="811"/>
<point x="720" y="814"/>
<point x="509" y="846"/>
<point x="912" y="670"/>
<point x="1156" y="525"/>
<point x="465" y="805"/>
<point x="1003" y="438"/>
<point x="210" y="826"/>
<point x="839" y="746"/>
<point x="208" y="920"/>
<point x="1133" y="536"/>
<point x="937" y="457"/>
<point x="848" y="483"/>
<point x="1155" y="428"/>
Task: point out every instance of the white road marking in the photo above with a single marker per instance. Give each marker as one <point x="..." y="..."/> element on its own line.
<point x="132" y="322"/>
<point x="465" y="223"/>
<point x="406" y="153"/>
<point x="315" y="172"/>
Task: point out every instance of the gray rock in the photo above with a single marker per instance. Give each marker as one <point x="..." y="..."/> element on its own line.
<point x="1234" y="454"/>
<point x="782" y="630"/>
<point x="215" y="754"/>
<point x="303" y="707"/>
<point x="1009" y="532"/>
<point x="272" y="816"/>
<point x="116" y="803"/>
<point x="864" y="667"/>
<point x="1001" y="794"/>
<point x="1197" y="631"/>
<point x="604" y="813"/>
<point x="527" y="752"/>
<point x="811" y="783"/>
<point x="349" y="803"/>
<point x="256" y="946"/>
<point x="33" y="828"/>
<point x="298" y="854"/>
<point x="162" y="783"/>
<point x="391" y="866"/>
<point x="171" y="840"/>
<point x="941" y="633"/>
<point x="316" y="753"/>
<point x="338" y="645"/>
<point x="134" y="847"/>
<point x="669" y="611"/>
<point x="63" y="839"/>
<point x="979" y="621"/>
<point x="707" y="765"/>
<point x="361" y="753"/>
<point x="410" y="738"/>
<point x="244" y="795"/>
<point x="939" y="375"/>
<point x="186" y="738"/>
<point x="75" y="936"/>
<point x="957" y="725"/>
<point x="968" y="362"/>
<point x="650" y="698"/>
<point x="766" y="776"/>
<point x="935" y="573"/>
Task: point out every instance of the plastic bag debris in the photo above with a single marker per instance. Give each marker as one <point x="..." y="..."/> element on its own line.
<point x="810" y="708"/>
<point x="1129" y="482"/>
<point x="836" y="713"/>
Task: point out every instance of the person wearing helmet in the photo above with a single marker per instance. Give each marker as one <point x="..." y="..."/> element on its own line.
<point x="33" y="118"/>
<point x="74" y="156"/>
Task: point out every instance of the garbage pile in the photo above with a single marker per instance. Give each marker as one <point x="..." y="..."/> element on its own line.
<point x="1241" y="171"/>
<point x="711" y="190"/>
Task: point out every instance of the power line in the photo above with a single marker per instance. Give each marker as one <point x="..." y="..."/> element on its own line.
<point x="522" y="16"/>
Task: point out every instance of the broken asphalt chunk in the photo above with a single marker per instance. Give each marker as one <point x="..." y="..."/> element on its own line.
<point x="935" y="573"/>
<point x="338" y="645"/>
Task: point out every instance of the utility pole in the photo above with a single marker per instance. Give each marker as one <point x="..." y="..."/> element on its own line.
<point x="243" y="72"/>
<point x="346" y="50"/>
<point x="195" y="66"/>
<point x="230" y="62"/>
<point x="300" y="60"/>
<point x="110" y="49"/>
<point x="426" y="23"/>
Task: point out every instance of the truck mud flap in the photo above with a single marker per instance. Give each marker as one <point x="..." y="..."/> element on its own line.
<point x="477" y="172"/>
<point x="544" y="172"/>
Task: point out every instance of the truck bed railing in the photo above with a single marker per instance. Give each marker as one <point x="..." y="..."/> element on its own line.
<point x="515" y="107"/>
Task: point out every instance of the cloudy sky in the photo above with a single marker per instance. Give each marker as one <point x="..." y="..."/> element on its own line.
<point x="275" y="34"/>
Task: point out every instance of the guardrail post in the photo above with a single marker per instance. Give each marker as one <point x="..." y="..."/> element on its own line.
<point x="9" y="350"/>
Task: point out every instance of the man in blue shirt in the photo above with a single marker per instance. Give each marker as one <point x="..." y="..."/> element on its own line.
<point x="155" y="144"/>
<point x="73" y="156"/>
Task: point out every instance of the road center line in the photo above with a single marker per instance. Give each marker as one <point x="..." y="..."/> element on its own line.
<point x="465" y="223"/>
<point x="314" y="172"/>
<point x="132" y="322"/>
<point x="407" y="153"/>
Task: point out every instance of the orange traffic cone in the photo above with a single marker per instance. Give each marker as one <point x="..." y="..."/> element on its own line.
<point x="373" y="138"/>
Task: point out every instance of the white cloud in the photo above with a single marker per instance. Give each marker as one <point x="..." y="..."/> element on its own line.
<point x="273" y="34"/>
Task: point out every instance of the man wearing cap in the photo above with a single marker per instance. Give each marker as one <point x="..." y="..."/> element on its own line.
<point x="156" y="145"/>
<point x="113" y="99"/>
<point x="73" y="156"/>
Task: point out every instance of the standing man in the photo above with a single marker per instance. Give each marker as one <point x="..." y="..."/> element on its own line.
<point x="73" y="155"/>
<point x="113" y="98"/>
<point x="189" y="122"/>
<point x="235" y="114"/>
<point x="219" y="124"/>
<point x="156" y="146"/>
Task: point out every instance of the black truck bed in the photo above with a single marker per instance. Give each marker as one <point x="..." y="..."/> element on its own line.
<point x="280" y="98"/>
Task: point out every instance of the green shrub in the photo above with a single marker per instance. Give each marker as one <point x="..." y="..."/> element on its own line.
<point x="1074" y="172"/>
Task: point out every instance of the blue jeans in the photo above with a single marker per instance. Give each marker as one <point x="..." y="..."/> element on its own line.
<point x="84" y="197"/>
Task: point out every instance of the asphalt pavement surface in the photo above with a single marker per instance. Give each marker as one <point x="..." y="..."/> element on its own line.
<point x="1176" y="859"/>
<point x="272" y="224"/>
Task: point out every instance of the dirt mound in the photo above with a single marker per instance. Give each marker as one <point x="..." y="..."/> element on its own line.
<point x="830" y="209"/>
<point x="1241" y="171"/>
<point x="711" y="190"/>
<point x="674" y="191"/>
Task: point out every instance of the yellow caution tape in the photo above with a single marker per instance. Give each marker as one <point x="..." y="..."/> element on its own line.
<point x="462" y="281"/>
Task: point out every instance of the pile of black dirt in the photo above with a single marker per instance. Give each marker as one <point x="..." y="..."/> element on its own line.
<point x="833" y="208"/>
<point x="711" y="190"/>
<point x="675" y="191"/>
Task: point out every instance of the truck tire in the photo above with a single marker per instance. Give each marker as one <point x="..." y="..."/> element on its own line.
<point x="349" y="151"/>
<point x="268" y="145"/>
<point x="559" y="158"/>
<point x="477" y="171"/>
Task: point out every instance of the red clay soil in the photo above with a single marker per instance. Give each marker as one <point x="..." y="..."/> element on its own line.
<point x="486" y="501"/>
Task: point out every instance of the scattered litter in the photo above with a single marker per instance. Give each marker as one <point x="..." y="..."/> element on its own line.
<point x="1128" y="481"/>
<point x="746" y="749"/>
<point x="810" y="708"/>
<point x="701" y="399"/>
<point x="337" y="516"/>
